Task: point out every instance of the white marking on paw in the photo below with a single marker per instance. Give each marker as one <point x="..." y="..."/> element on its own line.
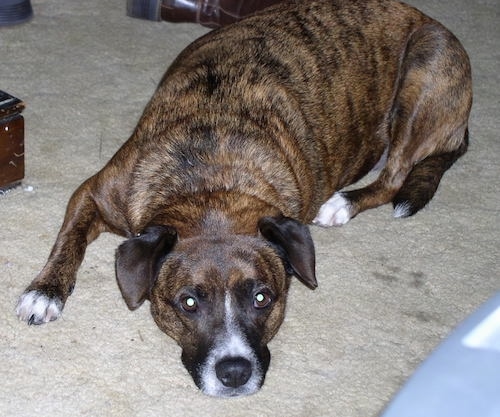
<point x="35" y="307"/>
<point x="402" y="210"/>
<point x="335" y="212"/>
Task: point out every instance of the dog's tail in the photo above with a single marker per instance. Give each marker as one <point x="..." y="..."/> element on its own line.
<point x="423" y="180"/>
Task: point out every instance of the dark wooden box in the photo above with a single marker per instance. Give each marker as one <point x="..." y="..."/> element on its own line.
<point x="11" y="141"/>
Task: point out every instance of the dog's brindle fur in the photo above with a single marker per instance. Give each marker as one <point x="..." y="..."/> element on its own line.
<point x="251" y="131"/>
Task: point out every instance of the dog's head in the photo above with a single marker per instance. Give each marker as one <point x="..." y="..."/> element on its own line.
<point x="221" y="297"/>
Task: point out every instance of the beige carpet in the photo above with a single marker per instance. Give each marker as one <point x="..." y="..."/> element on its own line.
<point x="390" y="290"/>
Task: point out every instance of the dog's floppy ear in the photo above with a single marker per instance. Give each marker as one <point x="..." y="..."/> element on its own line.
<point x="294" y="244"/>
<point x="138" y="261"/>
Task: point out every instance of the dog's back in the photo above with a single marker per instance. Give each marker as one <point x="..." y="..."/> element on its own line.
<point x="313" y="81"/>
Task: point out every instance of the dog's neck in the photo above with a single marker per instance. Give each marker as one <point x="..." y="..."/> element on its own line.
<point x="231" y="213"/>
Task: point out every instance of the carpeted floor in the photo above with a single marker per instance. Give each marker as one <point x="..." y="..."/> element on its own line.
<point x="390" y="290"/>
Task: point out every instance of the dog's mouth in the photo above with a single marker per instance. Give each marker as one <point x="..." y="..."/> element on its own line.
<point x="231" y="368"/>
<point x="231" y="377"/>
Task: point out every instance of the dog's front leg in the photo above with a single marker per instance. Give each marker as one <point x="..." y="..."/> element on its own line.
<point x="44" y="298"/>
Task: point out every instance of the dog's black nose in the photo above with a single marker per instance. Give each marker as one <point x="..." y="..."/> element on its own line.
<point x="234" y="372"/>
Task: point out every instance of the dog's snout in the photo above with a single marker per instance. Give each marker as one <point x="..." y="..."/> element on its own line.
<point x="234" y="372"/>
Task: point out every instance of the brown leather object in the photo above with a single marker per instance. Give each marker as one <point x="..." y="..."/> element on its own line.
<point x="11" y="140"/>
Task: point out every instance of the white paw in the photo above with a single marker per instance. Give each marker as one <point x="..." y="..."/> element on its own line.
<point x="34" y="307"/>
<point x="402" y="210"/>
<point x="335" y="212"/>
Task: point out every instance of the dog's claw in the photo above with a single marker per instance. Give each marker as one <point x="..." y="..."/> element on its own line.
<point x="34" y="307"/>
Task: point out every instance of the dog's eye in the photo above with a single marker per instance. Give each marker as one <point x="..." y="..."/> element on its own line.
<point x="262" y="299"/>
<point x="189" y="304"/>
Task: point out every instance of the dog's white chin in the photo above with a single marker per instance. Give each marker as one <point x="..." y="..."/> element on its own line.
<point x="233" y="346"/>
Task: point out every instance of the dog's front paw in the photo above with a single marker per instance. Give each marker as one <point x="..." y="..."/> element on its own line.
<point x="35" y="307"/>
<point x="335" y="212"/>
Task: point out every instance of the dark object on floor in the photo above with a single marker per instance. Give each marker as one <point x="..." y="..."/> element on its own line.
<point x="13" y="12"/>
<point x="210" y="13"/>
<point x="11" y="141"/>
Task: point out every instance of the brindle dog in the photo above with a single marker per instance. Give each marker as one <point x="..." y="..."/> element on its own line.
<point x="251" y="131"/>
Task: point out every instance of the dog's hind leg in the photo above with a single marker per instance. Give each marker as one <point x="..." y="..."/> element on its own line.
<point x="426" y="129"/>
<point x="423" y="180"/>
